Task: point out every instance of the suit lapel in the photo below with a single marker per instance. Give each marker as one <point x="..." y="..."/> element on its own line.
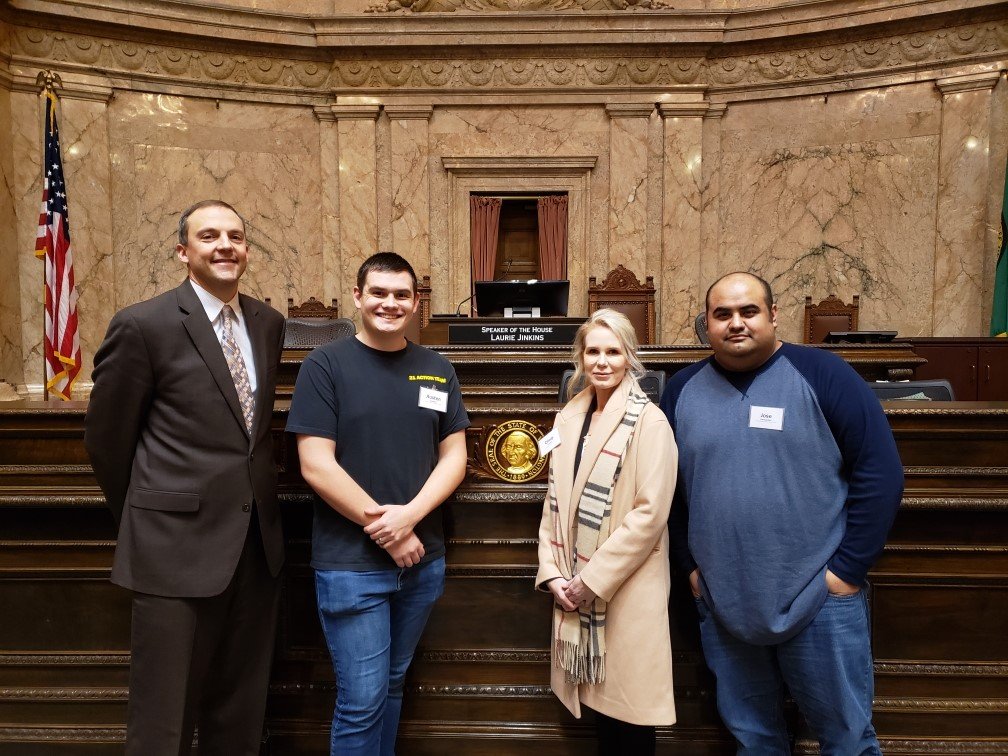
<point x="604" y="426"/>
<point x="260" y="349"/>
<point x="205" y="340"/>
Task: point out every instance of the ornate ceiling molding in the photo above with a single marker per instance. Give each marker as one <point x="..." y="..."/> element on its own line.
<point x="912" y="56"/>
<point x="513" y="6"/>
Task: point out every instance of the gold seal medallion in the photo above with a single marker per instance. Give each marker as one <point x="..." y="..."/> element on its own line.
<point x="512" y="451"/>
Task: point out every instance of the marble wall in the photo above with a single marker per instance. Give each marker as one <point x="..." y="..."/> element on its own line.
<point x="870" y="167"/>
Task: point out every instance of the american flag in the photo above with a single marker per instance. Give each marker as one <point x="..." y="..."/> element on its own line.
<point x="62" y="345"/>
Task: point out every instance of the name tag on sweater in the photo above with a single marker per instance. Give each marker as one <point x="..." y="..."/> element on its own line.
<point x="771" y="418"/>
<point x="549" y="442"/>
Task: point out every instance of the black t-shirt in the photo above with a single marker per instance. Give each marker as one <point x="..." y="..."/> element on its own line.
<point x="367" y="401"/>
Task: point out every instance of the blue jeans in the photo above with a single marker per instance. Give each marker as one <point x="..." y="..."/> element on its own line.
<point x="827" y="668"/>
<point x="372" y="623"/>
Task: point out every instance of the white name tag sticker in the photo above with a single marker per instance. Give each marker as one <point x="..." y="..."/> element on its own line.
<point x="433" y="399"/>
<point x="771" y="418"/>
<point x="549" y="442"/>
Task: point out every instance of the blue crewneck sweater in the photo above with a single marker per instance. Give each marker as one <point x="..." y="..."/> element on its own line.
<point x="764" y="512"/>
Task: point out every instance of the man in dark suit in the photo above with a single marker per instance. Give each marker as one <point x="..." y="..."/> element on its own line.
<point x="178" y="431"/>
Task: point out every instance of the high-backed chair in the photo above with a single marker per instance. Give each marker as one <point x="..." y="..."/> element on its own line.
<point x="652" y="383"/>
<point x="622" y="290"/>
<point x="831" y="314"/>
<point x="937" y="390"/>
<point x="700" y="326"/>
<point x="422" y="316"/>
<point x="312" y="324"/>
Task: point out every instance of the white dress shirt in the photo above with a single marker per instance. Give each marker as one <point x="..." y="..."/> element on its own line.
<point x="214" y="308"/>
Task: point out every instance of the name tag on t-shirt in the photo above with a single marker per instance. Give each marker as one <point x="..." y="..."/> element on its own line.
<point x="771" y="418"/>
<point x="549" y="442"/>
<point x="433" y="399"/>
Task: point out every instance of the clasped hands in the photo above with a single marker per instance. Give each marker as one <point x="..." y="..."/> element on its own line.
<point x="392" y="529"/>
<point x="571" y="594"/>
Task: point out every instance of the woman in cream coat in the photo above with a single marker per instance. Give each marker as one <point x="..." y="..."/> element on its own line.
<point x="610" y="649"/>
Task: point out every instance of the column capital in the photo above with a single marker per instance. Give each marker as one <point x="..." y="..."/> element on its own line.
<point x="629" y="109"/>
<point x="355" y="112"/>
<point x="683" y="109"/>
<point x="409" y="112"/>
<point x="716" y="110"/>
<point x="968" y="82"/>
<point x="73" y="88"/>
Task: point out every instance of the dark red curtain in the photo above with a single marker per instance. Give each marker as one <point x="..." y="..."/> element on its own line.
<point x="553" y="237"/>
<point x="484" y="222"/>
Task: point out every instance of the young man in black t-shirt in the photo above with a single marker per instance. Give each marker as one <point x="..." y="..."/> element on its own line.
<point x="381" y="437"/>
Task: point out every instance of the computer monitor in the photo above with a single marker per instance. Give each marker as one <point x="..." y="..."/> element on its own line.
<point x="860" y="337"/>
<point x="522" y="298"/>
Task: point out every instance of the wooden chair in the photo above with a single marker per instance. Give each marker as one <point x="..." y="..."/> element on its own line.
<point x="312" y="309"/>
<point x="623" y="291"/>
<point x="312" y="324"/>
<point x="422" y="316"/>
<point x="831" y="314"/>
<point x="700" y="327"/>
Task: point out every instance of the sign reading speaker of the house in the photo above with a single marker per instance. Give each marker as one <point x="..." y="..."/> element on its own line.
<point x="512" y="335"/>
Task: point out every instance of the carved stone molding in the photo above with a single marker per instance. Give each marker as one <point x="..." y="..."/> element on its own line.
<point x="72" y="88"/>
<point x="525" y="165"/>
<point x="629" y="109"/>
<point x="887" y="59"/>
<point x="684" y="109"/>
<point x="355" y="112"/>
<point x="968" y="83"/>
<point x="409" y="112"/>
<point x="503" y="6"/>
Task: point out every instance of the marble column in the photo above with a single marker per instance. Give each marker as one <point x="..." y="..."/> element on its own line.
<point x="963" y="170"/>
<point x="333" y="285"/>
<point x="710" y="200"/>
<point x="995" y="191"/>
<point x="84" y="137"/>
<point x="11" y="367"/>
<point x="358" y="191"/>
<point x="410" y="152"/>
<point x="628" y="174"/>
<point x="681" y="220"/>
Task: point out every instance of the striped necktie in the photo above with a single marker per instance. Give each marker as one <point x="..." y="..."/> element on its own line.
<point x="236" y="365"/>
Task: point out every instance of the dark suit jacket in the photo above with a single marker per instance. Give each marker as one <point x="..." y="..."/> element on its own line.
<point x="169" y="446"/>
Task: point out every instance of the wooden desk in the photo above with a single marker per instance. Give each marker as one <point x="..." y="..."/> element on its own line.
<point x="939" y="599"/>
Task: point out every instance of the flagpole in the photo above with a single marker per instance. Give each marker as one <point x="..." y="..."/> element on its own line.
<point x="47" y="81"/>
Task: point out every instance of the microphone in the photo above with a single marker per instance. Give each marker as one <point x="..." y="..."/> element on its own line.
<point x="507" y="267"/>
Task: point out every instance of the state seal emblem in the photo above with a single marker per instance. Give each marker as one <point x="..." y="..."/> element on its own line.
<point x="512" y="451"/>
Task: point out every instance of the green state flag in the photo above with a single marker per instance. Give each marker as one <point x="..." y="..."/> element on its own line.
<point x="999" y="315"/>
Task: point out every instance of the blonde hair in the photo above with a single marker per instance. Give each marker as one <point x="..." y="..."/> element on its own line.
<point x="625" y="334"/>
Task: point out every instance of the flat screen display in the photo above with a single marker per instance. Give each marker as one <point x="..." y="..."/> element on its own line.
<point x="493" y="297"/>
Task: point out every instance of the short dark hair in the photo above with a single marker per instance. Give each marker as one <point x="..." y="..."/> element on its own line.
<point x="385" y="262"/>
<point x="767" y="292"/>
<point x="183" y="222"/>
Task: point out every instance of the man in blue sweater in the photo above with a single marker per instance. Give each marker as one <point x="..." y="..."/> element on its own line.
<point x="789" y="481"/>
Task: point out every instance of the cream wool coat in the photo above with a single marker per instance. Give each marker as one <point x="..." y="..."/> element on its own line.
<point x="630" y="570"/>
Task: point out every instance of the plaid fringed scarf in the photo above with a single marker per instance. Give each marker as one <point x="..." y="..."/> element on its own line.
<point x="580" y="638"/>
